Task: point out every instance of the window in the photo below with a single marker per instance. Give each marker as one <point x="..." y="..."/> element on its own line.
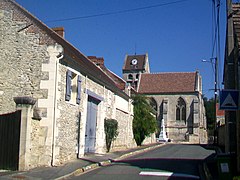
<point x="73" y="87"/>
<point x="181" y="110"/>
<point x="130" y="76"/>
<point x="137" y="76"/>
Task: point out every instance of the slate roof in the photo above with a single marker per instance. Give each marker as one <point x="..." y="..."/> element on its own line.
<point x="74" y="55"/>
<point x="140" y="65"/>
<point x="167" y="83"/>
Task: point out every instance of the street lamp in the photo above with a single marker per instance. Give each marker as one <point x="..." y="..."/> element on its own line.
<point x="215" y="62"/>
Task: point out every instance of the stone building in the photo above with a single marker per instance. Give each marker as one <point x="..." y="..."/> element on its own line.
<point x="73" y="95"/>
<point x="176" y="97"/>
<point x="231" y="130"/>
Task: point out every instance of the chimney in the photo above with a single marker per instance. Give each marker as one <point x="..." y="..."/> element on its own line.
<point x="99" y="61"/>
<point x="59" y="31"/>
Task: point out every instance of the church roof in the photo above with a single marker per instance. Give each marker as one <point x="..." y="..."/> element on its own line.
<point x="141" y="61"/>
<point x="178" y="82"/>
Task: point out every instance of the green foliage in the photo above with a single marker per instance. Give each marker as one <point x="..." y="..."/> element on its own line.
<point x="111" y="131"/>
<point x="210" y="108"/>
<point x="144" y="121"/>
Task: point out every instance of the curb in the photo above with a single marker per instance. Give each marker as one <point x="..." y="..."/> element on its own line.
<point x="138" y="151"/>
<point x="90" y="167"/>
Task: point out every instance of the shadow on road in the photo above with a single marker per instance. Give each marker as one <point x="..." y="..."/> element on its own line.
<point x="176" y="165"/>
<point x="165" y="164"/>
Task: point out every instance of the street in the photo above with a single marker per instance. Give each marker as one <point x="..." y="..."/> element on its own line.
<point x="172" y="161"/>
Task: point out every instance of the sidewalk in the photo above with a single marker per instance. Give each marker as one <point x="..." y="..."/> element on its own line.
<point x="77" y="166"/>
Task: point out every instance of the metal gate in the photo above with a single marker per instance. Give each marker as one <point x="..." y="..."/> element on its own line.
<point x="9" y="140"/>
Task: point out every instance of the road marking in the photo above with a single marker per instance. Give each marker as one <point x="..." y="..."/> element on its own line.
<point x="168" y="174"/>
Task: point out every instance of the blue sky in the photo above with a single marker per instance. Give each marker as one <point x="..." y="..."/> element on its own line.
<point x="177" y="35"/>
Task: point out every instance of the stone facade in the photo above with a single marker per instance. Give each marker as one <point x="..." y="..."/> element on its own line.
<point x="35" y="62"/>
<point x="193" y="129"/>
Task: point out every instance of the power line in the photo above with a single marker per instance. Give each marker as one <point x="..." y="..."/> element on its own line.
<point x="117" y="12"/>
<point x="216" y="36"/>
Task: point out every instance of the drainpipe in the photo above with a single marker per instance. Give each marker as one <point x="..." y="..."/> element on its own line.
<point x="59" y="56"/>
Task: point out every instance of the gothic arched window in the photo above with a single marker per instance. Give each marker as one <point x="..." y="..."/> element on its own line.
<point x="181" y="110"/>
<point x="130" y="76"/>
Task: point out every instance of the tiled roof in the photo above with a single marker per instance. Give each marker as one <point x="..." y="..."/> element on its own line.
<point x="218" y="111"/>
<point x="167" y="83"/>
<point x="120" y="83"/>
<point x="141" y="60"/>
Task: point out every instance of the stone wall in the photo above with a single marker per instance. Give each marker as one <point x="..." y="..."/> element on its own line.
<point x="74" y="117"/>
<point x="23" y="56"/>
<point x="195" y="117"/>
<point x="21" y="60"/>
<point x="30" y="66"/>
<point x="125" y="138"/>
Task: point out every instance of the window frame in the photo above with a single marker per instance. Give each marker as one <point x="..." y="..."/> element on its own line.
<point x="181" y="110"/>
<point x="73" y="87"/>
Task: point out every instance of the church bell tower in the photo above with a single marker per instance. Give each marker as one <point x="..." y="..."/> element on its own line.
<point x="134" y="66"/>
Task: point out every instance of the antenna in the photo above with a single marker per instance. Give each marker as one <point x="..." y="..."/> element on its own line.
<point x="135" y="49"/>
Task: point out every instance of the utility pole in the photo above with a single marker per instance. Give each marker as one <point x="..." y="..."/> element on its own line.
<point x="215" y="100"/>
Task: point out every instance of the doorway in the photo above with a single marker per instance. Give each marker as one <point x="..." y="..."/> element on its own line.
<point x="91" y="124"/>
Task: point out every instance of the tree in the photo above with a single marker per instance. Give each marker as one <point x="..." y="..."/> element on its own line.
<point x="111" y="131"/>
<point x="144" y="121"/>
<point x="209" y="107"/>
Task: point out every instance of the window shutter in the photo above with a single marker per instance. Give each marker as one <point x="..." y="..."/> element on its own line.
<point x="68" y="85"/>
<point x="79" y="89"/>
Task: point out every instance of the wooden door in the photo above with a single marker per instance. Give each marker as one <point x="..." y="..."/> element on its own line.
<point x="90" y="133"/>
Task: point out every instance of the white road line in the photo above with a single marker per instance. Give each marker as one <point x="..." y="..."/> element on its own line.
<point x="168" y="174"/>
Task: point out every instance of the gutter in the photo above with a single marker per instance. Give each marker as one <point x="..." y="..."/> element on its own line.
<point x="59" y="56"/>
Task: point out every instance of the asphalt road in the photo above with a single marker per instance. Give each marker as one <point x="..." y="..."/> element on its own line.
<point x="172" y="161"/>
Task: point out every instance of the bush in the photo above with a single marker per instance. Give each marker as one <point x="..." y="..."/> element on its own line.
<point x="111" y="131"/>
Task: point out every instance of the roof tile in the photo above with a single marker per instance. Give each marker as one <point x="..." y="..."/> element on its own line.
<point x="167" y="83"/>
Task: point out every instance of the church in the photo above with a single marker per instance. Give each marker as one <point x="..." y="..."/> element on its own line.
<point x="176" y="97"/>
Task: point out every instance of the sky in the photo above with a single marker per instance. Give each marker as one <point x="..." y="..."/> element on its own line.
<point x="176" y="34"/>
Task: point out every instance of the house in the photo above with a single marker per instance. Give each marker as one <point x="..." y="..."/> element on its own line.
<point x="220" y="115"/>
<point x="64" y="95"/>
<point x="231" y="81"/>
<point x="176" y="97"/>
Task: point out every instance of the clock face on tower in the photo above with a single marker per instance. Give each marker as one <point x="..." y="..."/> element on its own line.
<point x="134" y="61"/>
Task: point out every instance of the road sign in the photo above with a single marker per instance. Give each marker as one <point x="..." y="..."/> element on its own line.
<point x="229" y="100"/>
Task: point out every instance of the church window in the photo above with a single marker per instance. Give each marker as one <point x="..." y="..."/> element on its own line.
<point x="130" y="76"/>
<point x="181" y="110"/>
